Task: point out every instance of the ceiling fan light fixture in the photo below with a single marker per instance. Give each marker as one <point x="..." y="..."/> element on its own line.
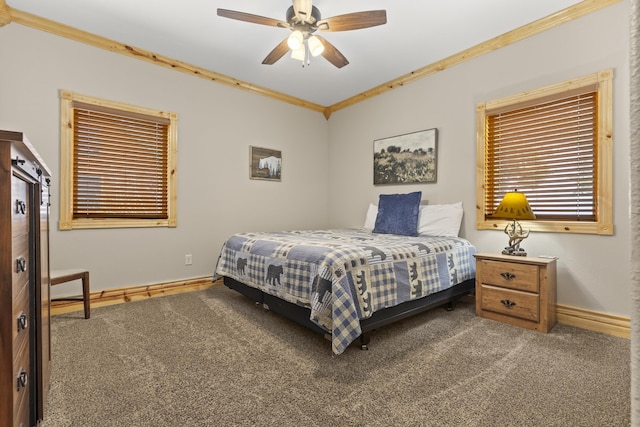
<point x="315" y="46"/>
<point x="299" y="53"/>
<point x="295" y="40"/>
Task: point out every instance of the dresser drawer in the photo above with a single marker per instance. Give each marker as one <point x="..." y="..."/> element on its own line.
<point x="523" y="305"/>
<point x="21" y="316"/>
<point x="19" y="206"/>
<point x="523" y="277"/>
<point x="21" y="364"/>
<point x="21" y="412"/>
<point x="20" y="258"/>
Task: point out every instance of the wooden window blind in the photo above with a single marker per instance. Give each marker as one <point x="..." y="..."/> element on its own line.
<point x="548" y="151"/>
<point x="119" y="164"/>
<point x="554" y="144"/>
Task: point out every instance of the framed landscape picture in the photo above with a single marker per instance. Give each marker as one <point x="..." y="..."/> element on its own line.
<point x="265" y="164"/>
<point x="406" y="159"/>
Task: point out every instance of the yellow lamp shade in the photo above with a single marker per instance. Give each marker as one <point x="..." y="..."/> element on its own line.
<point x="514" y="205"/>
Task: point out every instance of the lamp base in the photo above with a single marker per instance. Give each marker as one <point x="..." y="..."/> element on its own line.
<point x="516" y="235"/>
<point x="514" y="252"/>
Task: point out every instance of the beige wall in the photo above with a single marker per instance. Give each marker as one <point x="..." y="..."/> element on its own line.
<point x="216" y="125"/>
<point x="327" y="176"/>
<point x="594" y="271"/>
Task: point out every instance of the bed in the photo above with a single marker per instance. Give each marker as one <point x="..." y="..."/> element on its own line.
<point x="346" y="283"/>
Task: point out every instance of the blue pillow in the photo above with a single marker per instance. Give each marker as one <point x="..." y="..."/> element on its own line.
<point x="398" y="214"/>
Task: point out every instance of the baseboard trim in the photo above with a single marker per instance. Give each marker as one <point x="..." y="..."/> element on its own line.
<point x="135" y="293"/>
<point x="594" y="320"/>
<point x="573" y="316"/>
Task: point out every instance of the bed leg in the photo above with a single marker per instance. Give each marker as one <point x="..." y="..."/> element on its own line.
<point x="451" y="305"/>
<point x="364" y="341"/>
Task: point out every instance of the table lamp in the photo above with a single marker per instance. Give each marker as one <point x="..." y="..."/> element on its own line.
<point x="514" y="206"/>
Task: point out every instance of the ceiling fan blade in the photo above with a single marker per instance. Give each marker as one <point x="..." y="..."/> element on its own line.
<point x="277" y="53"/>
<point x="333" y="55"/>
<point x="354" y="21"/>
<point x="254" y="19"/>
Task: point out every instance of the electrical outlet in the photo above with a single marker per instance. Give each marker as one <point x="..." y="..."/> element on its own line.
<point x="188" y="259"/>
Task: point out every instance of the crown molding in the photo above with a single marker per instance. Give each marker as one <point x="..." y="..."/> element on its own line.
<point x="5" y="13"/>
<point x="39" y="23"/>
<point x="8" y="14"/>
<point x="566" y="15"/>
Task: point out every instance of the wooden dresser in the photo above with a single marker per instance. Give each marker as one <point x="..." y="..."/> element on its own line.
<point x="517" y="290"/>
<point x="24" y="284"/>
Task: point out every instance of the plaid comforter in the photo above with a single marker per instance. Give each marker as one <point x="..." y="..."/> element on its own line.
<point x="343" y="276"/>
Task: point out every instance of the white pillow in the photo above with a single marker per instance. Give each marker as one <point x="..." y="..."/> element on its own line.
<point x="370" y="220"/>
<point x="440" y="220"/>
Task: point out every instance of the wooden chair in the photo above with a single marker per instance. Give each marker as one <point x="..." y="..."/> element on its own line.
<point x="63" y="276"/>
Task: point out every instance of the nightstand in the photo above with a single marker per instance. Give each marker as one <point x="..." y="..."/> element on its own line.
<point x="520" y="291"/>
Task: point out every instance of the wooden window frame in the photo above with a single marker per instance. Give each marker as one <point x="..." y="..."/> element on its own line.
<point x="603" y="224"/>
<point x="68" y="100"/>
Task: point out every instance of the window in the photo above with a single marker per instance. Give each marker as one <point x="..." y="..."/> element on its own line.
<point x="555" y="145"/>
<point x="117" y="166"/>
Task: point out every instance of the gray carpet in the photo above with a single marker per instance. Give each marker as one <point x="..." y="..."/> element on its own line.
<point x="212" y="358"/>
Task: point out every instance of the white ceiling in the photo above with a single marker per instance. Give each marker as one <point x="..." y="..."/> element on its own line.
<point x="417" y="33"/>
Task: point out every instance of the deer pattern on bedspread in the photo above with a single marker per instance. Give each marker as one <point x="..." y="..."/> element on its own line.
<point x="346" y="275"/>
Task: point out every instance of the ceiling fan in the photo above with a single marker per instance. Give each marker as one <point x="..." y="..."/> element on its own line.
<point x="303" y="19"/>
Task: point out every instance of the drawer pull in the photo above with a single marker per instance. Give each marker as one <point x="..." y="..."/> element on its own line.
<point x="508" y="276"/>
<point x="23" y="379"/>
<point x="22" y="321"/>
<point x="21" y="207"/>
<point x="21" y="265"/>
<point x="507" y="303"/>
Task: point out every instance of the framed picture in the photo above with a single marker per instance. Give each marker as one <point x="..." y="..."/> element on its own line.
<point x="265" y="164"/>
<point x="406" y="159"/>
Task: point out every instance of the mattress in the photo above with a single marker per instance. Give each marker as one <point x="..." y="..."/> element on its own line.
<point x="345" y="275"/>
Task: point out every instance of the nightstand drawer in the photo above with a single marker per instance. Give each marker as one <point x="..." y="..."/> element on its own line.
<point x="523" y="277"/>
<point x="513" y="303"/>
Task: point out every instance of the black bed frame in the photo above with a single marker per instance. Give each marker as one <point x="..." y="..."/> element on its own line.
<point x="380" y="318"/>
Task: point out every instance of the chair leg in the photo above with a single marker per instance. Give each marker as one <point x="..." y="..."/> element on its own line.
<point x="86" y="295"/>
